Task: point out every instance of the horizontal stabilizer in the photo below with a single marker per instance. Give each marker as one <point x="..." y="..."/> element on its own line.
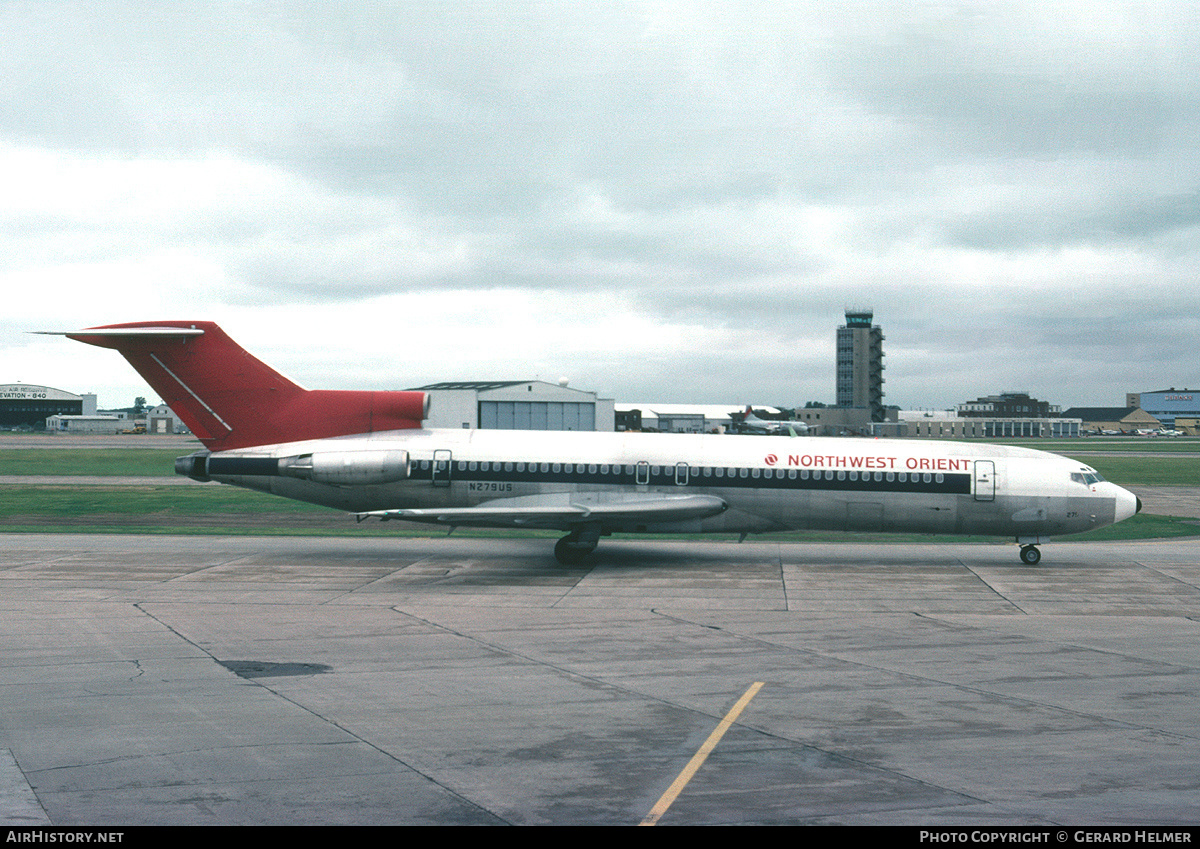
<point x="127" y="332"/>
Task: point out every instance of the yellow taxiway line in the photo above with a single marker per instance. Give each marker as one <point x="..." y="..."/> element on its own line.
<point x="700" y="757"/>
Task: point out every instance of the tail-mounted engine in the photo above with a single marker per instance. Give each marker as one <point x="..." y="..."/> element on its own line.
<point x="336" y="468"/>
<point x="347" y="468"/>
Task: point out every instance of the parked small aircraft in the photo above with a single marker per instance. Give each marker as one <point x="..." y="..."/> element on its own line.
<point x="751" y="423"/>
<point x="368" y="453"/>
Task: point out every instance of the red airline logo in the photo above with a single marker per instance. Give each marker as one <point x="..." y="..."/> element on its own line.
<point x="839" y="461"/>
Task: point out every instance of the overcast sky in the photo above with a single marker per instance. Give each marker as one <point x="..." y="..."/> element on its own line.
<point x="662" y="201"/>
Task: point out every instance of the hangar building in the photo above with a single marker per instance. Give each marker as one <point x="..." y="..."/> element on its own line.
<point x="101" y="424"/>
<point x="1166" y="404"/>
<point x="516" y="405"/>
<point x="27" y="405"/>
<point x="1116" y="419"/>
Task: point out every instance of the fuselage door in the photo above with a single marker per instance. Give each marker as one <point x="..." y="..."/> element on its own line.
<point x="681" y="474"/>
<point x="441" y="467"/>
<point x="985" y="480"/>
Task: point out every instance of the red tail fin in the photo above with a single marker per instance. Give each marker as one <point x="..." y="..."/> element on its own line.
<point x="231" y="399"/>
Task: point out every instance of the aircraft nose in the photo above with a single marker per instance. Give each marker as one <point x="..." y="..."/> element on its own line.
<point x="1127" y="505"/>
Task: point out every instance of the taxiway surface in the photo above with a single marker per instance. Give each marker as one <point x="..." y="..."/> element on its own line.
<point x="240" y="680"/>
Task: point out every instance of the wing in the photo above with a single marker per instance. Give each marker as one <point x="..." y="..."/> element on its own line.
<point x="567" y="510"/>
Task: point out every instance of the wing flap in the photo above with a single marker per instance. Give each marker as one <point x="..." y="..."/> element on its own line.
<point x="563" y="511"/>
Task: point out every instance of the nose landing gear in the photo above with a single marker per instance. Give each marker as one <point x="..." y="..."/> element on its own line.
<point x="1030" y="555"/>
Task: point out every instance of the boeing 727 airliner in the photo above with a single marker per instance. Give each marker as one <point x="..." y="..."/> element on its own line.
<point x="368" y="453"/>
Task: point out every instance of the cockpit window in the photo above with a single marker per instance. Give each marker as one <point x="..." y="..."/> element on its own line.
<point x="1086" y="478"/>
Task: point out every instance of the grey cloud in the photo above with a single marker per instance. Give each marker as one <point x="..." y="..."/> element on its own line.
<point x="748" y="166"/>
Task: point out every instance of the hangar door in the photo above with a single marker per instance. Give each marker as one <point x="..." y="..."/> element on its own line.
<point x="536" y="415"/>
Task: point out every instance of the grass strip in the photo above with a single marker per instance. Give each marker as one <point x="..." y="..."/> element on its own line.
<point x="141" y="462"/>
<point x="1115" y="446"/>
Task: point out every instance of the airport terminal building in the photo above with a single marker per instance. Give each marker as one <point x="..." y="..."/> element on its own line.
<point x="947" y="424"/>
<point x="1003" y="416"/>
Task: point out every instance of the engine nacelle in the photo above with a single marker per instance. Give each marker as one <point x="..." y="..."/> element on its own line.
<point x="348" y="468"/>
<point x="194" y="466"/>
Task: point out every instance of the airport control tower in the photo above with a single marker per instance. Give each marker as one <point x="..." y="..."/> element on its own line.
<point x="860" y="363"/>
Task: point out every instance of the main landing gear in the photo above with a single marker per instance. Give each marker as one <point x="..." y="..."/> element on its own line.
<point x="577" y="545"/>
<point x="1030" y="556"/>
<point x="568" y="552"/>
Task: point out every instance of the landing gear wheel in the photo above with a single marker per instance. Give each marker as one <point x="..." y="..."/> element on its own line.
<point x="568" y="552"/>
<point x="1030" y="556"/>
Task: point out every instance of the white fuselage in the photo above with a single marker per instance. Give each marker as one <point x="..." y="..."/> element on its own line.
<point x="766" y="483"/>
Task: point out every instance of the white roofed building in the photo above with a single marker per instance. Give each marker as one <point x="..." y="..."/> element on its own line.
<point x="516" y="405"/>
<point x="686" y="418"/>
